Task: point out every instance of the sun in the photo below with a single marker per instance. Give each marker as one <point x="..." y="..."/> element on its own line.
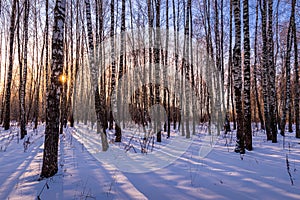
<point x="63" y="78"/>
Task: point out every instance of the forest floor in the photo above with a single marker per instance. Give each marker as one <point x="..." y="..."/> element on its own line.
<point x="270" y="171"/>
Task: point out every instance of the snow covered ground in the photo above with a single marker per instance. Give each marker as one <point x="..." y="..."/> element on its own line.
<point x="270" y="171"/>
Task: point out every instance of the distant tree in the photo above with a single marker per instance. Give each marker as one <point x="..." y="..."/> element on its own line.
<point x="165" y="61"/>
<point x="167" y="125"/>
<point x="230" y="69"/>
<point x="118" y="132"/>
<point x="229" y="58"/>
<point x="10" y="66"/>
<point x="113" y="60"/>
<point x="176" y="28"/>
<point x="217" y="37"/>
<point x="39" y="62"/>
<point x="75" y="73"/>
<point x="94" y="80"/>
<point x="186" y="68"/>
<point x="73" y="65"/>
<point x="287" y="99"/>
<point x="157" y="67"/>
<point x="103" y="93"/>
<point x="210" y="54"/>
<point x="23" y="72"/>
<point x="50" y="157"/>
<point x="47" y="45"/>
<point x="150" y="24"/>
<point x="46" y="70"/>
<point x="65" y="76"/>
<point x="296" y="67"/>
<point x="255" y="69"/>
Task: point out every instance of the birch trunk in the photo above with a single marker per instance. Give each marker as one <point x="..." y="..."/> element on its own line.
<point x="247" y="79"/>
<point x="10" y="66"/>
<point x="94" y="79"/>
<point x="50" y="156"/>
<point x="238" y="77"/>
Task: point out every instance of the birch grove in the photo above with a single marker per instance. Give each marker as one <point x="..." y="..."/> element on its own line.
<point x="193" y="64"/>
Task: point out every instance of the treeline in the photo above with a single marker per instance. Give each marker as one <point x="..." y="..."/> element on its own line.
<point x="251" y="72"/>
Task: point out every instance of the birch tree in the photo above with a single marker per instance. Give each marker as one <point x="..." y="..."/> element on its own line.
<point x="112" y="61"/>
<point x="247" y="80"/>
<point x="272" y="75"/>
<point x="237" y="68"/>
<point x="176" y="28"/>
<point x="265" y="68"/>
<point x="186" y="67"/>
<point x="150" y="29"/>
<point x="118" y="133"/>
<point x="296" y="67"/>
<point x="287" y="98"/>
<point x="157" y="68"/>
<point x="10" y="66"/>
<point x="255" y="71"/>
<point x="24" y="72"/>
<point x="167" y="102"/>
<point x="47" y="47"/>
<point x="94" y="80"/>
<point x="74" y="77"/>
<point x="50" y="156"/>
<point x="230" y="68"/>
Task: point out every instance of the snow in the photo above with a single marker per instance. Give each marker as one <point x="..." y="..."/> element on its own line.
<point x="87" y="173"/>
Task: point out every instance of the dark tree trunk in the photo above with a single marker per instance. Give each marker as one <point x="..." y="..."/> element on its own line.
<point x="260" y="115"/>
<point x="230" y="70"/>
<point x="50" y="157"/>
<point x="157" y="69"/>
<point x="150" y="21"/>
<point x="165" y="81"/>
<point x="10" y="66"/>
<point x="118" y="132"/>
<point x="290" y="118"/>
<point x="23" y="73"/>
<point x="237" y="69"/>
<point x="47" y="51"/>
<point x="272" y="75"/>
<point x="113" y="61"/>
<point x="296" y="67"/>
<point x="286" y="103"/>
<point x="247" y="79"/>
<point x="265" y="69"/>
<point x="176" y="64"/>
